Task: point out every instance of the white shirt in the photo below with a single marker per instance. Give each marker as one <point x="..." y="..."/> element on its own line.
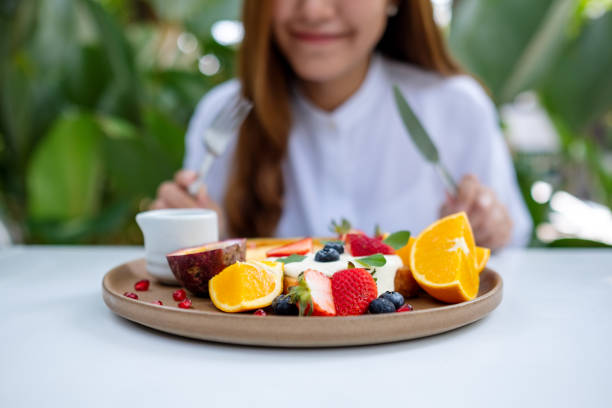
<point x="359" y="163"/>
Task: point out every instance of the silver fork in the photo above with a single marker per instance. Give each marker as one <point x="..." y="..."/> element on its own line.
<point x="217" y="136"/>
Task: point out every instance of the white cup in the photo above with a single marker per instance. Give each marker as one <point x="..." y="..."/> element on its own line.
<point x="168" y="230"/>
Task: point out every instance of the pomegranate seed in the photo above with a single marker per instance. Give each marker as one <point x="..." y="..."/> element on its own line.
<point x="405" y="308"/>
<point x="142" y="285"/>
<point x="179" y="295"/>
<point x="185" y="304"/>
<point x="131" y="295"/>
<point x="158" y="302"/>
<point x="260" y="312"/>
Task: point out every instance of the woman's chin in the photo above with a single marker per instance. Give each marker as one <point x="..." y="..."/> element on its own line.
<point x="319" y="73"/>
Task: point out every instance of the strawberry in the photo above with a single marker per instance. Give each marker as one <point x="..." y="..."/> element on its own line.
<point x="353" y="290"/>
<point x="313" y="294"/>
<point x="362" y="245"/>
<point x="343" y="228"/>
<point x="300" y="247"/>
<point x="379" y="235"/>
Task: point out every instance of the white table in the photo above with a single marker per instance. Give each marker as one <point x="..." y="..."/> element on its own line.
<point x="549" y="344"/>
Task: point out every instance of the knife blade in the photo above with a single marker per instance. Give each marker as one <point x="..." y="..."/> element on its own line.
<point x="422" y="141"/>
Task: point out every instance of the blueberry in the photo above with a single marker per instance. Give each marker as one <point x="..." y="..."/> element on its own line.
<point x="282" y="306"/>
<point x="338" y="246"/>
<point x="381" y="305"/>
<point x="394" y="297"/>
<point x="327" y="254"/>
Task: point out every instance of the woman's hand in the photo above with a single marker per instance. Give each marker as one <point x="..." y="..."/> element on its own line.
<point x="175" y="194"/>
<point x="489" y="218"/>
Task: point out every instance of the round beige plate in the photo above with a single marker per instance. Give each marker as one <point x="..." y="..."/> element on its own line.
<point x="205" y="322"/>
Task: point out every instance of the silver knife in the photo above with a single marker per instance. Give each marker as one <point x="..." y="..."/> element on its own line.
<point x="421" y="139"/>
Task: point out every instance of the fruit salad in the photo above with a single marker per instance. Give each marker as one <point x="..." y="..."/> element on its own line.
<point x="351" y="274"/>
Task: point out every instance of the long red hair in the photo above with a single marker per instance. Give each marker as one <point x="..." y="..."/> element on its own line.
<point x="254" y="197"/>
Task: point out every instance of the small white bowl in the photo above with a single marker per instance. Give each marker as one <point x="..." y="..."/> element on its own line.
<point x="168" y="230"/>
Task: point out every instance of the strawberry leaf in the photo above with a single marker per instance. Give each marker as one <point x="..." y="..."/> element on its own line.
<point x="372" y="260"/>
<point x="291" y="258"/>
<point x="350" y="265"/>
<point x="330" y="241"/>
<point x="398" y="239"/>
<point x="340" y="228"/>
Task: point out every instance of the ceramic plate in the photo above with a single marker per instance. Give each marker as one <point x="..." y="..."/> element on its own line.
<point x="205" y="322"/>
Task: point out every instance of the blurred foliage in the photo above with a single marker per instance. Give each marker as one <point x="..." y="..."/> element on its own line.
<point x="95" y="97"/>
<point x="562" y="50"/>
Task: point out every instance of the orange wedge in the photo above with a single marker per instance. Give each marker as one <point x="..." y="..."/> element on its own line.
<point x="246" y="285"/>
<point x="482" y="257"/>
<point x="443" y="260"/>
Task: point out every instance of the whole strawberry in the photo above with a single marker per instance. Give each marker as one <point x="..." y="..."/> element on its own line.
<point x="343" y="228"/>
<point x="313" y="294"/>
<point x="362" y="245"/>
<point x="353" y="290"/>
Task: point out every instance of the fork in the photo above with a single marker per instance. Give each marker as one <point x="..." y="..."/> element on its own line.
<point x="217" y="136"/>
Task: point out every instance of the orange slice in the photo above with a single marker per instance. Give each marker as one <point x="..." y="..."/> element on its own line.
<point x="404" y="252"/>
<point x="482" y="257"/>
<point x="443" y="260"/>
<point x="246" y="285"/>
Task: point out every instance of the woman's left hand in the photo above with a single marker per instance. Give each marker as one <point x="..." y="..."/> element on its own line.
<point x="491" y="223"/>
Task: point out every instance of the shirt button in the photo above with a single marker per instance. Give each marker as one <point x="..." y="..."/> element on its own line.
<point x="332" y="125"/>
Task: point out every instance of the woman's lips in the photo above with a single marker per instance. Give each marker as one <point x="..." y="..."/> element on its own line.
<point x="317" y="38"/>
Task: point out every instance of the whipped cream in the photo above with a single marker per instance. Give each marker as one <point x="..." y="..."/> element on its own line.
<point x="385" y="274"/>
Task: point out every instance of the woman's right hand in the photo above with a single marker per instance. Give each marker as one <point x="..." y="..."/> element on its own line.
<point x="175" y="194"/>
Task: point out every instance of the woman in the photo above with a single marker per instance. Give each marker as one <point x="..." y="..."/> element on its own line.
<point x="325" y="141"/>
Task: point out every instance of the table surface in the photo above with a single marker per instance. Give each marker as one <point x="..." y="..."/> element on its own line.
<point x="549" y="343"/>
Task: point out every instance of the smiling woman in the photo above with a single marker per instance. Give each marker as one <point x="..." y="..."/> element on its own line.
<point x="324" y="140"/>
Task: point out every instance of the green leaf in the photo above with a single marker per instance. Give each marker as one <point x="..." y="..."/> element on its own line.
<point x="579" y="87"/>
<point x="577" y="243"/>
<point x="169" y="135"/>
<point x="415" y="129"/>
<point x="78" y="231"/>
<point x="490" y="37"/>
<point x="291" y="258"/>
<point x="121" y="96"/>
<point x="200" y="21"/>
<point x="398" y="239"/>
<point x="330" y="241"/>
<point x="136" y="163"/>
<point x="65" y="174"/>
<point x="372" y="260"/>
<point x="542" y="50"/>
<point x="343" y="227"/>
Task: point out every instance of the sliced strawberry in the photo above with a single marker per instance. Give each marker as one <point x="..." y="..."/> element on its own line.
<point x="352" y="231"/>
<point x="362" y="245"/>
<point x="353" y="290"/>
<point x="313" y="294"/>
<point x="301" y="247"/>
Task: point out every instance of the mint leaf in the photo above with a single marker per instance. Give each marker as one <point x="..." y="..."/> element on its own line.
<point x="372" y="260"/>
<point x="291" y="258"/>
<point x="397" y="239"/>
<point x="334" y="241"/>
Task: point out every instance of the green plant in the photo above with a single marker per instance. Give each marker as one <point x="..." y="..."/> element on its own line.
<point x="562" y="50"/>
<point x="93" y="111"/>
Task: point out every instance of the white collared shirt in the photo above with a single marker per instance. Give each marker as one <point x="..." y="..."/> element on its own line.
<point x="359" y="163"/>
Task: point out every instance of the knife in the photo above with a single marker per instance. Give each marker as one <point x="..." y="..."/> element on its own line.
<point x="421" y="139"/>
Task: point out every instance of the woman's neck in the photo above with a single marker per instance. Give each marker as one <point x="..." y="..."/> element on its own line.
<point x="328" y="95"/>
